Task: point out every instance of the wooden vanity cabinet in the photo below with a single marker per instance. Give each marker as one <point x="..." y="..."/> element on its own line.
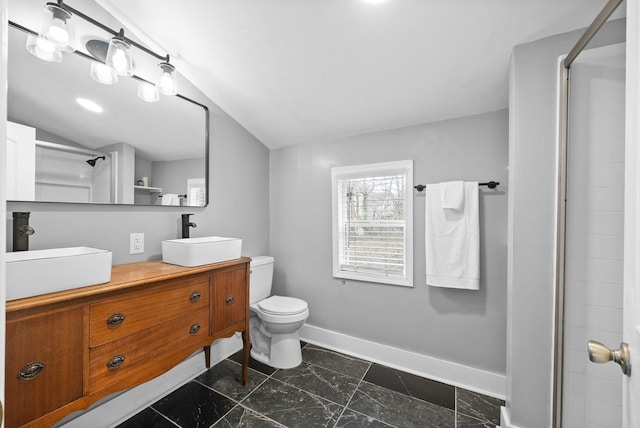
<point x="67" y="350"/>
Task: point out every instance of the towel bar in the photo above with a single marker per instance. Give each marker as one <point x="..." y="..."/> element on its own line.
<point x="489" y="184"/>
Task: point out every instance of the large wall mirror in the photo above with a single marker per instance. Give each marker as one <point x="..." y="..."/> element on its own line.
<point x="133" y="152"/>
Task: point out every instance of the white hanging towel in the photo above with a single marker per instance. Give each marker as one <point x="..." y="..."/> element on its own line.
<point x="170" y="199"/>
<point x="453" y="240"/>
<point x="452" y="194"/>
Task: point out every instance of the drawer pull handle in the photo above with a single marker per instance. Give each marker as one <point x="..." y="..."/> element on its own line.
<point x="195" y="296"/>
<point x="230" y="299"/>
<point x="194" y="329"/>
<point x="31" y="370"/>
<point x="115" y="320"/>
<point x="115" y="362"/>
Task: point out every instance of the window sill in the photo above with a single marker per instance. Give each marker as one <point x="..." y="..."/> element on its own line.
<point x="358" y="276"/>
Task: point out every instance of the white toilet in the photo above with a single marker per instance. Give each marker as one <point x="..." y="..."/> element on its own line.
<point x="275" y="320"/>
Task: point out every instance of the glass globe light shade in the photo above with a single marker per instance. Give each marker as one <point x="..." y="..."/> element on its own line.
<point x="57" y="28"/>
<point x="167" y="79"/>
<point x="43" y="49"/>
<point x="119" y="57"/>
<point x="148" y="92"/>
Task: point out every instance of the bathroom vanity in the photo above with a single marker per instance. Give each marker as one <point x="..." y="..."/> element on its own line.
<point x="68" y="349"/>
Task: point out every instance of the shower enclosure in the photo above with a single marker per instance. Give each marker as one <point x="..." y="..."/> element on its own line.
<point x="73" y="174"/>
<point x="598" y="233"/>
<point x="594" y="237"/>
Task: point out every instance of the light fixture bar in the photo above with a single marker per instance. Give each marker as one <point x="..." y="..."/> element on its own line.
<point x="113" y="32"/>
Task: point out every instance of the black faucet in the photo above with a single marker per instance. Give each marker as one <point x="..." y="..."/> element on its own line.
<point x="186" y="224"/>
<point x="21" y="231"/>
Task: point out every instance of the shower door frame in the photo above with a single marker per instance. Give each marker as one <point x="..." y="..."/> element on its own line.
<point x="563" y="138"/>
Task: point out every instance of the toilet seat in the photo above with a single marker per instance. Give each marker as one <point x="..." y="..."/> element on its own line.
<point x="281" y="305"/>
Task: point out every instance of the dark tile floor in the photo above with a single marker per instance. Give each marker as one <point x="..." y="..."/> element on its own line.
<point x="328" y="389"/>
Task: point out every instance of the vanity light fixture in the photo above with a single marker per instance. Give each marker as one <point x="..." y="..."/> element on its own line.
<point x="109" y="59"/>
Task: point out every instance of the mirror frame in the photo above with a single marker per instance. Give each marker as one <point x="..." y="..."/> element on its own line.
<point x="28" y="31"/>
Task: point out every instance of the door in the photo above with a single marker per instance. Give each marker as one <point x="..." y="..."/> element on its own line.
<point x="631" y="319"/>
<point x="3" y="195"/>
<point x="594" y="254"/>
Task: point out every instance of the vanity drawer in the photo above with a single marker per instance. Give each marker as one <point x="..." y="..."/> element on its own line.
<point x="118" y="317"/>
<point x="139" y="357"/>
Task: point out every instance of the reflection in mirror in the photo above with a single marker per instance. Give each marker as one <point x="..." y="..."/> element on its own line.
<point x="128" y="152"/>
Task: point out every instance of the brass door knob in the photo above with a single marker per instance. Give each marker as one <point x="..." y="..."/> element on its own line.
<point x="598" y="353"/>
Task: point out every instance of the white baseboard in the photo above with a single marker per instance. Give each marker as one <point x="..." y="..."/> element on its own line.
<point x="505" y="419"/>
<point x="481" y="381"/>
<point x="119" y="407"/>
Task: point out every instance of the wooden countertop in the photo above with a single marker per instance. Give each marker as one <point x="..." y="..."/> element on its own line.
<point x="122" y="277"/>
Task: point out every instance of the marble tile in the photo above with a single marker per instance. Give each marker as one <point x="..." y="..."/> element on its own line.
<point x="415" y="386"/>
<point x="253" y="364"/>
<point x="351" y="419"/>
<point x="226" y="378"/>
<point x="319" y="381"/>
<point x="398" y="409"/>
<point x="335" y="361"/>
<point x="148" y="418"/>
<point x="241" y="417"/>
<point x="463" y="421"/>
<point x="194" y="405"/>
<point x="291" y="406"/>
<point x="478" y="406"/>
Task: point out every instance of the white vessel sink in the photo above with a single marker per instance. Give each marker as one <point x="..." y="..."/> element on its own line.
<point x="200" y="251"/>
<point x="30" y="273"/>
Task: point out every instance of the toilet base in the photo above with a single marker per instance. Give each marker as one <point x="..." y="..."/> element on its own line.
<point x="284" y="352"/>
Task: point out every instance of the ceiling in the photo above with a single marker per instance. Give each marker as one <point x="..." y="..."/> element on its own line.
<point x="305" y="71"/>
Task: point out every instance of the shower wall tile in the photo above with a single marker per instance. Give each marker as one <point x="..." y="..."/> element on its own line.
<point x="596" y="318"/>
<point x="595" y="293"/>
<point x="593" y="388"/>
<point x="606" y="415"/>
<point x="578" y="362"/>
<point x="594" y="270"/>
<point x="579" y="336"/>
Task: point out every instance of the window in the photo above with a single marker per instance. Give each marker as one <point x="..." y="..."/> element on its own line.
<point x="373" y="222"/>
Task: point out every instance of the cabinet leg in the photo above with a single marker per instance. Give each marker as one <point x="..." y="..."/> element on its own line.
<point x="207" y="356"/>
<point x="245" y="357"/>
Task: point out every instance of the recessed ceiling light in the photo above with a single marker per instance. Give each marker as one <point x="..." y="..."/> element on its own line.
<point x="374" y="1"/>
<point x="89" y="105"/>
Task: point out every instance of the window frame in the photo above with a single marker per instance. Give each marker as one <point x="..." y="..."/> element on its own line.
<point x="372" y="170"/>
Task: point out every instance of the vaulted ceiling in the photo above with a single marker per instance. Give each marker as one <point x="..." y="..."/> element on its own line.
<point x="300" y="71"/>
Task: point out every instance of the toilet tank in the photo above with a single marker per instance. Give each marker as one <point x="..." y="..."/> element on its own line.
<point x="261" y="277"/>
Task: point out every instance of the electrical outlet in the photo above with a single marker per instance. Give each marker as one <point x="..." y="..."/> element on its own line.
<point x="136" y="243"/>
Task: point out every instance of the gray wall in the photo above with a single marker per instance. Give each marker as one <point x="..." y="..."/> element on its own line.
<point x="467" y="327"/>
<point x="532" y="216"/>
<point x="238" y="207"/>
<point x="172" y="176"/>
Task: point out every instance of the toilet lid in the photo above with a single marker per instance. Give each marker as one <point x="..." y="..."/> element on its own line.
<point x="280" y="305"/>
